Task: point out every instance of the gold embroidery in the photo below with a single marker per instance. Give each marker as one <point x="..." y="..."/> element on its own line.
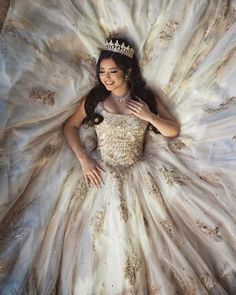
<point x="132" y="265"/>
<point x="124" y="211"/>
<point x="97" y="223"/>
<point x="177" y="144"/>
<point x="173" y="176"/>
<point x="45" y="96"/>
<point x="207" y="282"/>
<point x="167" y="225"/>
<point x="153" y="187"/>
<point x="213" y="233"/>
<point x="80" y="190"/>
<point x="188" y="284"/>
<point x="118" y="146"/>
<point x="84" y="59"/>
<point x="223" y="106"/>
<point x="153" y="290"/>
<point x="167" y="34"/>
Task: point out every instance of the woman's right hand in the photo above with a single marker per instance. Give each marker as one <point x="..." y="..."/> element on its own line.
<point x="92" y="171"/>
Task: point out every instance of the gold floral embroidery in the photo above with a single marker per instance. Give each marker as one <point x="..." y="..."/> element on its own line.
<point x="177" y="144"/>
<point x="169" y="227"/>
<point x="188" y="284"/>
<point x="167" y="34"/>
<point x="97" y="223"/>
<point x="45" y="96"/>
<point x="124" y="211"/>
<point x="213" y="233"/>
<point x="119" y="147"/>
<point x="207" y="282"/>
<point x="84" y="59"/>
<point x="153" y="290"/>
<point x="153" y="187"/>
<point x="172" y="175"/>
<point x="80" y="190"/>
<point x="132" y="265"/>
<point x="223" y="106"/>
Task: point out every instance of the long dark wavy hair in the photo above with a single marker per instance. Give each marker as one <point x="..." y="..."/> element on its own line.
<point x="136" y="84"/>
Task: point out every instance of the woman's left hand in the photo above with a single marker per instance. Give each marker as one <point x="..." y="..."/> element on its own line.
<point x="139" y="109"/>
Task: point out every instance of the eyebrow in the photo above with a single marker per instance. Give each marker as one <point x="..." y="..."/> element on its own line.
<point x="112" y="68"/>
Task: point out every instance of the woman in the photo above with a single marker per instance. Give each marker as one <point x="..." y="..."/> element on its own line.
<point x="134" y="233"/>
<point x="121" y="90"/>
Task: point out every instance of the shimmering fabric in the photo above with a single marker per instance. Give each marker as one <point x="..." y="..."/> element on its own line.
<point x="164" y="221"/>
<point x="120" y="145"/>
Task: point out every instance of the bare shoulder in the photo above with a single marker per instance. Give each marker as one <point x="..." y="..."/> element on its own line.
<point x="78" y="116"/>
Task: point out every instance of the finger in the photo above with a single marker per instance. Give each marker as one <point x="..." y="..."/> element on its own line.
<point x="95" y="180"/>
<point x="98" y="177"/>
<point x="99" y="168"/>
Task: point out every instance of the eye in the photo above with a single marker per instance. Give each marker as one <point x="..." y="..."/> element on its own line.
<point x="113" y="71"/>
<point x="101" y="72"/>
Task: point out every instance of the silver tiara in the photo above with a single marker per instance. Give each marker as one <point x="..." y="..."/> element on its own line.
<point x="122" y="49"/>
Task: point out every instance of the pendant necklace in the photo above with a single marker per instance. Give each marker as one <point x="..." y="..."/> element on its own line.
<point x="122" y="98"/>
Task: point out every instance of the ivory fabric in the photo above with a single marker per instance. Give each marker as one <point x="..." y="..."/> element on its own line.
<point x="164" y="221"/>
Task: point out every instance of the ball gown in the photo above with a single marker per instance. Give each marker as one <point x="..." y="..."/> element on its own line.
<point x="164" y="220"/>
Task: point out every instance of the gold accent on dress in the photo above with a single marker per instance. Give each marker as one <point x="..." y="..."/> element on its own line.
<point x="45" y="96"/>
<point x="212" y="233"/>
<point x="132" y="265"/>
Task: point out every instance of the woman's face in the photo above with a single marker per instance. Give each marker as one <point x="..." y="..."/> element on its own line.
<point x="112" y="77"/>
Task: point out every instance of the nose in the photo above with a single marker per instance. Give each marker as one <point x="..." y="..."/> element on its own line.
<point x="107" y="75"/>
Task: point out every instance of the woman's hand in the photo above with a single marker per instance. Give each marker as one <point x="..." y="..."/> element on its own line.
<point x="92" y="172"/>
<point x="139" y="109"/>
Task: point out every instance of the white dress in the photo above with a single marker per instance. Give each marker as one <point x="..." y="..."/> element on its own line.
<point x="164" y="221"/>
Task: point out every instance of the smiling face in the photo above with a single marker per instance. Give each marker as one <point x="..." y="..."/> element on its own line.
<point x="112" y="77"/>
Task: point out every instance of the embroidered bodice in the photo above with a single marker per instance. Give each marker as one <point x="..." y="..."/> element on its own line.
<point x="120" y="137"/>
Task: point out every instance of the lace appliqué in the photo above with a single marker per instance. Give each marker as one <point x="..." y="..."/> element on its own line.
<point x="223" y="106"/>
<point x="97" y="223"/>
<point x="173" y="176"/>
<point x="169" y="228"/>
<point x="80" y="191"/>
<point x="207" y="282"/>
<point x="117" y="145"/>
<point x="45" y="96"/>
<point x="187" y="284"/>
<point x="167" y="34"/>
<point x="153" y="290"/>
<point x="132" y="265"/>
<point x="177" y="144"/>
<point x="212" y="233"/>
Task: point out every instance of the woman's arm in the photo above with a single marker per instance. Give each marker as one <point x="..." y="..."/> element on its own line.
<point x="164" y="121"/>
<point x="91" y="169"/>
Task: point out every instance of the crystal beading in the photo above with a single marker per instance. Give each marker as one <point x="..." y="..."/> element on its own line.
<point x="122" y="49"/>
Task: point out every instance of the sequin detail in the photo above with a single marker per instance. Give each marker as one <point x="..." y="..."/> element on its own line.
<point x="45" y="96"/>
<point x="120" y="138"/>
<point x="212" y="233"/>
<point x="173" y="176"/>
<point x="132" y="265"/>
<point x="97" y="224"/>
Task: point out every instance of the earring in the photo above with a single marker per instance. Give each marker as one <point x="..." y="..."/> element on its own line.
<point x="127" y="77"/>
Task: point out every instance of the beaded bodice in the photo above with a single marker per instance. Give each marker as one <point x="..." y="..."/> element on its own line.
<point x="120" y="137"/>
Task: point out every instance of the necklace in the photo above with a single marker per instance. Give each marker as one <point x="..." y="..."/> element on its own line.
<point x="121" y="98"/>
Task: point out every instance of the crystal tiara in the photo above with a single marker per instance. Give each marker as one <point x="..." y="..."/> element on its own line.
<point x="122" y="49"/>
